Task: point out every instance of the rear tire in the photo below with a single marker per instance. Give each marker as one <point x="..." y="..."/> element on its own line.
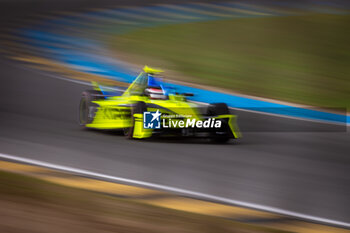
<point x="86" y="107"/>
<point x="217" y="109"/>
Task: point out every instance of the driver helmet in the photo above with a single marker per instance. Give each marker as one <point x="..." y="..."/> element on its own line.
<point x="154" y="89"/>
<point x="155" y="93"/>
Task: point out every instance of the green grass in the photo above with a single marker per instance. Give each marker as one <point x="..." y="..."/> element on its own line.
<point x="302" y="59"/>
<point x="32" y="205"/>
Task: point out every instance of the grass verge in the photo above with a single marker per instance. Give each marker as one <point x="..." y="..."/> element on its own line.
<point x="32" y="205"/>
<point x="301" y="59"/>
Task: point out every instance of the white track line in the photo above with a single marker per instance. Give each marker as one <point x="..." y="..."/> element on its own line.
<point x="293" y="118"/>
<point x="177" y="190"/>
<point x="282" y="116"/>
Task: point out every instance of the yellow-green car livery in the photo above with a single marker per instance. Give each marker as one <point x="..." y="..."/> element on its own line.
<point x="149" y="107"/>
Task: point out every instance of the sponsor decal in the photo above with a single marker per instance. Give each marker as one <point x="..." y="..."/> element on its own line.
<point x="153" y="120"/>
<point x="192" y="123"/>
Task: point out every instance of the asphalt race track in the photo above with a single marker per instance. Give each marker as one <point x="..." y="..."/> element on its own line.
<point x="291" y="164"/>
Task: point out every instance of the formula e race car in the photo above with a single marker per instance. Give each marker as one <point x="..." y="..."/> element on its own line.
<point x="150" y="107"/>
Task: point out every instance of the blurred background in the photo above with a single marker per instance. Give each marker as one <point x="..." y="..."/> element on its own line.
<point x="258" y="56"/>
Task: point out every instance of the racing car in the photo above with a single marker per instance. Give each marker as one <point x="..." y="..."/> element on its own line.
<point x="150" y="107"/>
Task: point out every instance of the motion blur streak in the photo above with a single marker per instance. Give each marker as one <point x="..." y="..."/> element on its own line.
<point x="84" y="52"/>
<point x="281" y="164"/>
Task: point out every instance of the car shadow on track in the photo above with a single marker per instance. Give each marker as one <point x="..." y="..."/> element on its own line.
<point x="164" y="139"/>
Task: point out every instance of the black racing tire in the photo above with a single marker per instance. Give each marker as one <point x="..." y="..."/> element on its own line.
<point x="85" y="103"/>
<point x="139" y="107"/>
<point x="217" y="109"/>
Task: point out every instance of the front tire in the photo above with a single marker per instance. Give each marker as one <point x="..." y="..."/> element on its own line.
<point x="217" y="109"/>
<point x="223" y="135"/>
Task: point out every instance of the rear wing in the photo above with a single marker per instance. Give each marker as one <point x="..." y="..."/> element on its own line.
<point x="149" y="70"/>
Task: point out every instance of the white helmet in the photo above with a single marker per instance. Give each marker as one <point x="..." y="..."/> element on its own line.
<point x="155" y="93"/>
